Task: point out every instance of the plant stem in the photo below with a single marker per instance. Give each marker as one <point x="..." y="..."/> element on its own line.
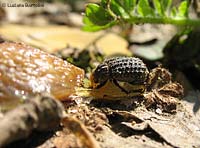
<point x="153" y="20"/>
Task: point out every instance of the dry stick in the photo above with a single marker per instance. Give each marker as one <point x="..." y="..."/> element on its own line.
<point x="39" y="113"/>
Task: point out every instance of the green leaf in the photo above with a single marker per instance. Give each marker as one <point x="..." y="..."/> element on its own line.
<point x="129" y="5"/>
<point x="87" y="21"/>
<point x="144" y="8"/>
<point x="166" y="6"/>
<point x="89" y="26"/>
<point x="113" y="12"/>
<point x="94" y="28"/>
<point x="104" y="3"/>
<point x="173" y="12"/>
<point x="97" y="18"/>
<point x="97" y="15"/>
<point x="158" y="7"/>
<point x="118" y="9"/>
<point x="183" y="9"/>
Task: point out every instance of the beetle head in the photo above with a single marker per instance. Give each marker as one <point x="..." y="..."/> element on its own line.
<point x="100" y="74"/>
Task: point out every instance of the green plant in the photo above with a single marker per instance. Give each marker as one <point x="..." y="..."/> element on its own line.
<point x="113" y="12"/>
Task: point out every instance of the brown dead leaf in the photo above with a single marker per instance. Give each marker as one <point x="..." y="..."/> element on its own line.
<point x="81" y="132"/>
<point x="52" y="38"/>
<point x="158" y="77"/>
<point x="165" y="98"/>
<point x="128" y="130"/>
<point x="65" y="139"/>
<point x="178" y="130"/>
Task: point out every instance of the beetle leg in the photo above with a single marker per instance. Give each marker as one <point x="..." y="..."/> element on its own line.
<point x="122" y="89"/>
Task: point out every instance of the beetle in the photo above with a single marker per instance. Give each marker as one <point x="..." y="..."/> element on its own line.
<point x="120" y="70"/>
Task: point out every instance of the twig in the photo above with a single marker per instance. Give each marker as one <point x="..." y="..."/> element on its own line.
<point x="39" y="113"/>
